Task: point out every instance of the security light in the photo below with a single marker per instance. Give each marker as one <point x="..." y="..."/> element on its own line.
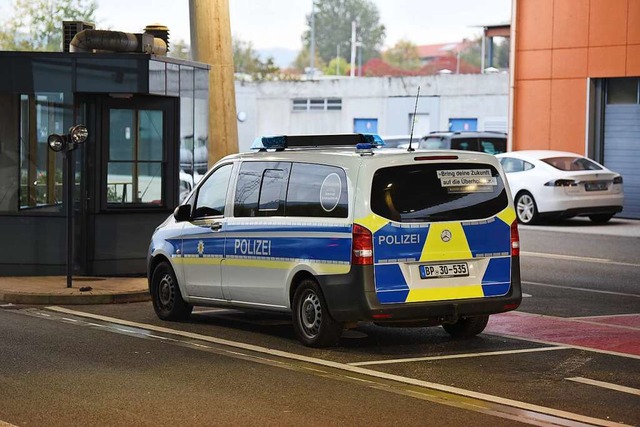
<point x="56" y="142"/>
<point x="78" y="134"/>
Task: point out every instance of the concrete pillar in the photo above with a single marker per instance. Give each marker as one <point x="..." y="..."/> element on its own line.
<point x="211" y="44"/>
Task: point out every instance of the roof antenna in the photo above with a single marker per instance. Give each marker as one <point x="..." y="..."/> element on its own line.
<point x="413" y="121"/>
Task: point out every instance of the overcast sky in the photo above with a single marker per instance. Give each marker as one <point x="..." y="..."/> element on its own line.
<point x="279" y="23"/>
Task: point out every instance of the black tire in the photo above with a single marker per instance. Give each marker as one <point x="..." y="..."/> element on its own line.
<point x="165" y="294"/>
<point x="467" y="327"/>
<point x="312" y="322"/>
<point x="526" y="208"/>
<point x="600" y="218"/>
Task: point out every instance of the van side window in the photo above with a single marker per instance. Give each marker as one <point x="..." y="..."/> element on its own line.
<point x="317" y="191"/>
<point x="261" y="189"/>
<point x="212" y="194"/>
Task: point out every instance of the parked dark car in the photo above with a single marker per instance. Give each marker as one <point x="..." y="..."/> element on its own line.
<point x="487" y="142"/>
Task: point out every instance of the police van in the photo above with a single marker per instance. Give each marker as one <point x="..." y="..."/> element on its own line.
<point x="336" y="231"/>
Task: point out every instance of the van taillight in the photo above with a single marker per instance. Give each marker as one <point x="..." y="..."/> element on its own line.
<point x="515" y="239"/>
<point x="362" y="246"/>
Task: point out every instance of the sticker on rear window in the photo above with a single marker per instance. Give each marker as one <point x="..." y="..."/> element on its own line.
<point x="467" y="180"/>
<point x="330" y="192"/>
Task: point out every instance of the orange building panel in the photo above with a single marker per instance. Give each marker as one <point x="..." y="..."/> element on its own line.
<point x="534" y="24"/>
<point x="567" y="123"/>
<point x="534" y="64"/>
<point x="633" y="60"/>
<point x="607" y="61"/>
<point x="569" y="63"/>
<point x="608" y="22"/>
<point x="633" y="24"/>
<point x="570" y="23"/>
<point x="531" y="115"/>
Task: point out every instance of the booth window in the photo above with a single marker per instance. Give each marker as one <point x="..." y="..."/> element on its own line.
<point x="135" y="167"/>
<point x="41" y="114"/>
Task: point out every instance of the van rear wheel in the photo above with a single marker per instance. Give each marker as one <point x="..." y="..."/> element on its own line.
<point x="467" y="327"/>
<point x="312" y="322"/>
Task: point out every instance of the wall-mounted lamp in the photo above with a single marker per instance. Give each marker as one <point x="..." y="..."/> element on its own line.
<point x="77" y="135"/>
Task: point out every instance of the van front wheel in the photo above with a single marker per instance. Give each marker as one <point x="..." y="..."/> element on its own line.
<point x="467" y="327"/>
<point x="312" y="322"/>
<point x="165" y="294"/>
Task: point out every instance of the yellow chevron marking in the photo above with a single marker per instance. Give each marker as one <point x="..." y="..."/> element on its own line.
<point x="438" y="294"/>
<point x="373" y="222"/>
<point x="508" y="215"/>
<point x="435" y="249"/>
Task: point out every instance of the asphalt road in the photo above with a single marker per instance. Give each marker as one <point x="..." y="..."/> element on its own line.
<point x="569" y="356"/>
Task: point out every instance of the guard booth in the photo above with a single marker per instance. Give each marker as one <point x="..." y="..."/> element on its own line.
<point x="143" y="113"/>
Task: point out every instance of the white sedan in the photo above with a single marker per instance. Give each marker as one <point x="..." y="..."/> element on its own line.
<point x="557" y="184"/>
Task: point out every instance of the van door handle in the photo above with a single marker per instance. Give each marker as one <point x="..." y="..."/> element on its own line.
<point x="216" y="226"/>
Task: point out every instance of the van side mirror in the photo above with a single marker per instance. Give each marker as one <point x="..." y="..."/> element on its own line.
<point x="182" y="213"/>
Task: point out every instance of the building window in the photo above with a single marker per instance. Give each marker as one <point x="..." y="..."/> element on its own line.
<point x="135" y="167"/>
<point x="41" y="114"/>
<point x="317" y="104"/>
<point x="624" y="90"/>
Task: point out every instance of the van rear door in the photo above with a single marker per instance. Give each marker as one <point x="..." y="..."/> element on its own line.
<point x="441" y="231"/>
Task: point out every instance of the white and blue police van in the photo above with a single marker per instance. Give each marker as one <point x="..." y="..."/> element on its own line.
<point x="336" y="231"/>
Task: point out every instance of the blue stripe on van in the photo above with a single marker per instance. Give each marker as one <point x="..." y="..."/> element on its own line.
<point x="488" y="238"/>
<point x="497" y="277"/>
<point x="311" y="248"/>
<point x="390" y="284"/>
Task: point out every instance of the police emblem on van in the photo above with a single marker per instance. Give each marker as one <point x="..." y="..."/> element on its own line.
<point x="445" y="235"/>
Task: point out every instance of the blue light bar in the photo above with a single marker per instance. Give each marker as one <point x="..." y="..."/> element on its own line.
<point x="269" y="143"/>
<point x="373" y="139"/>
<point x="315" y="141"/>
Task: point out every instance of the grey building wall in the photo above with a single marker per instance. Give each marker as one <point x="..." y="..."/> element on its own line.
<point x="390" y="100"/>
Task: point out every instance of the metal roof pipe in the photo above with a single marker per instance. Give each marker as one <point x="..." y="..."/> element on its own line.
<point x="115" y="41"/>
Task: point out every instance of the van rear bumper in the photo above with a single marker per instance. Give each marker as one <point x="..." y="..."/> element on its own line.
<point x="351" y="298"/>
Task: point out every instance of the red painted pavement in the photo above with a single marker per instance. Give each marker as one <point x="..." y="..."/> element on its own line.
<point x="630" y="321"/>
<point x="584" y="332"/>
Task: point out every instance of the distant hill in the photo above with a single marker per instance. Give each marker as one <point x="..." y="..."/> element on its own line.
<point x="282" y="57"/>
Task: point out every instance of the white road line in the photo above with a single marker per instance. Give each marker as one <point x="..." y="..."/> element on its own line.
<point x="578" y="258"/>
<point x="603" y="384"/>
<point x="605" y="316"/>
<point x="573" y="288"/>
<point x="6" y="424"/>
<point x="609" y="325"/>
<point x="344" y="367"/>
<point x="457" y="356"/>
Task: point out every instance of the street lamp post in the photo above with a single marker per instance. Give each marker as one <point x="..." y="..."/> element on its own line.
<point x="66" y="144"/>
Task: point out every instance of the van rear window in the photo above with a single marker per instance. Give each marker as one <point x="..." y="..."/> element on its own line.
<point x="438" y="192"/>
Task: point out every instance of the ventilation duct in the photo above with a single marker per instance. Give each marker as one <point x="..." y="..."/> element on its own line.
<point x="117" y="41"/>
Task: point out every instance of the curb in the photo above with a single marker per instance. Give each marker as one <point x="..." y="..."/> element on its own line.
<point x="85" y="299"/>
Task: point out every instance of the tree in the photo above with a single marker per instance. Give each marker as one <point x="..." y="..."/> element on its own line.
<point x="303" y="61"/>
<point x="37" y="24"/>
<point x="337" y="67"/>
<point x="403" y="55"/>
<point x="247" y="61"/>
<point x="333" y="27"/>
<point x="179" y="49"/>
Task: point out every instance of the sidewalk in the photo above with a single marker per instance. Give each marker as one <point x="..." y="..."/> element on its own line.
<point x="84" y="290"/>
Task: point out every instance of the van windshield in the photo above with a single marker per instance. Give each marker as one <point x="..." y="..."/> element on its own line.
<point x="438" y="192"/>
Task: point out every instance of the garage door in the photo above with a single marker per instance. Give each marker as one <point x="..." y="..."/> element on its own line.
<point x="622" y="152"/>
